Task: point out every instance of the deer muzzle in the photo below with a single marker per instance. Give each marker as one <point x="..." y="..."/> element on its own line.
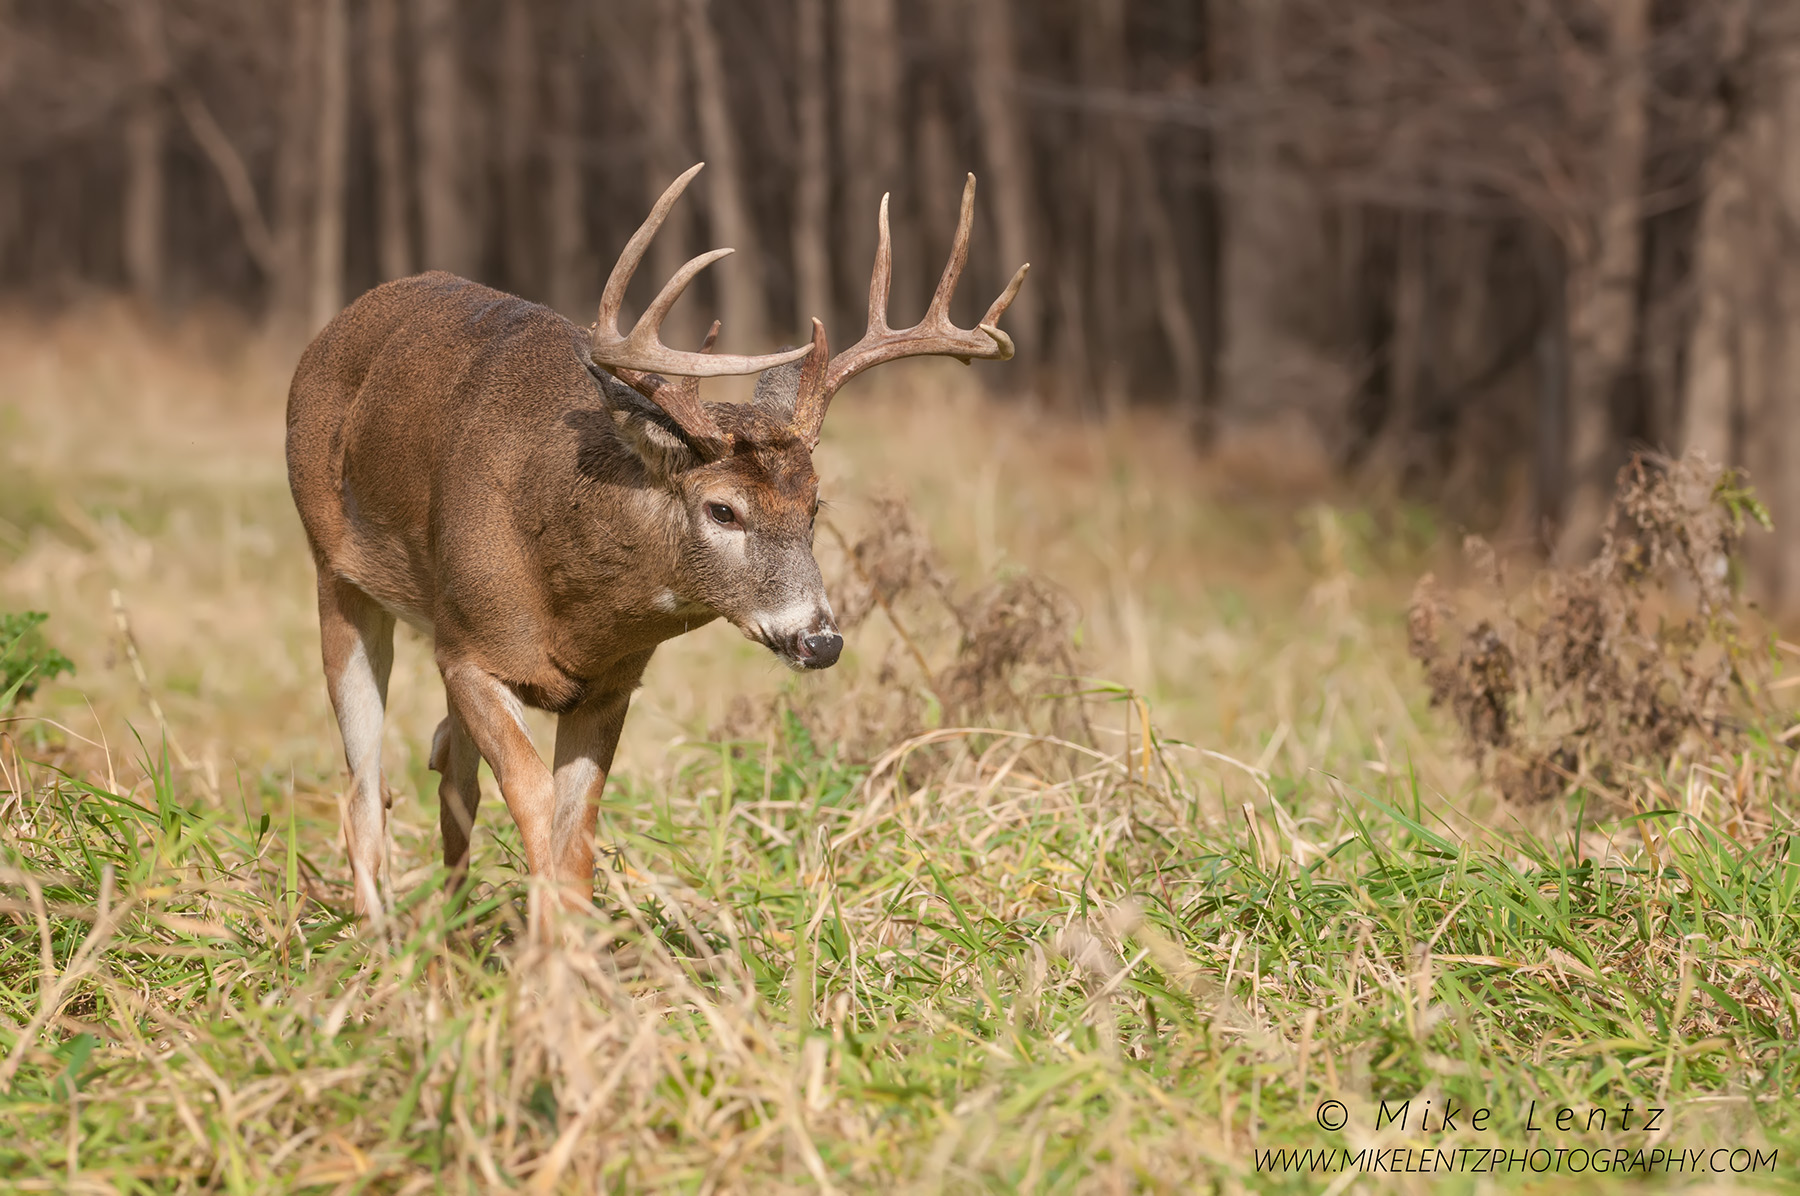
<point x="808" y="642"/>
<point x="820" y="650"/>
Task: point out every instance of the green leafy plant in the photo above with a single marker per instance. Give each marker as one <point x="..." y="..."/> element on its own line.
<point x="26" y="659"/>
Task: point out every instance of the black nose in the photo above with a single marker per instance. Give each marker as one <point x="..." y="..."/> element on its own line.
<point x="821" y="651"/>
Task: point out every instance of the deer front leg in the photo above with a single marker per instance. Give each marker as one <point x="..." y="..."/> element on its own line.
<point x="495" y="721"/>
<point x="356" y="638"/>
<point x="585" y="740"/>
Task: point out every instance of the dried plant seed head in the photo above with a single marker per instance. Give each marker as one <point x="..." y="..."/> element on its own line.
<point x="1602" y="676"/>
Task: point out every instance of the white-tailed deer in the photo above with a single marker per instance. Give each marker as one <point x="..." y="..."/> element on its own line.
<point x="549" y="503"/>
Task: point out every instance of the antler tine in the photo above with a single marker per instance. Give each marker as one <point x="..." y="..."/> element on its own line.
<point x="882" y="277"/>
<point x="990" y="323"/>
<point x="938" y="314"/>
<point x="646" y="334"/>
<point x="613" y="297"/>
<point x="1005" y="300"/>
<point x="642" y="350"/>
<point x="811" y="398"/>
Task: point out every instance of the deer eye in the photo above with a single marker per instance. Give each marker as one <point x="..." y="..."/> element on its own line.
<point x="721" y="513"/>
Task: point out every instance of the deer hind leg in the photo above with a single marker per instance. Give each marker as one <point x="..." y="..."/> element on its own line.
<point x="357" y="639"/>
<point x="455" y="757"/>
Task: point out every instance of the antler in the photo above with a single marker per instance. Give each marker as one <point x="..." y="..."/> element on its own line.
<point x="639" y="359"/>
<point x="934" y="335"/>
<point x="680" y="400"/>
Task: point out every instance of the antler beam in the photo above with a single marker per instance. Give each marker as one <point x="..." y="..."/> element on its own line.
<point x="934" y="335"/>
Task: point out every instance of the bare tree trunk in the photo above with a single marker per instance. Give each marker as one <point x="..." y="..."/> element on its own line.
<point x="740" y="281"/>
<point x="1756" y="306"/>
<point x="1756" y="416"/>
<point x="1099" y="36"/>
<point x="393" y="236"/>
<point x="1724" y="258"/>
<point x="296" y="164"/>
<point x="1255" y="217"/>
<point x="1461" y="388"/>
<point x="517" y="149"/>
<point x="571" y="282"/>
<point x="1781" y="472"/>
<point x="938" y="183"/>
<point x="1272" y="232"/>
<point x="1457" y="403"/>
<point x="1007" y="151"/>
<point x="651" y="57"/>
<point x="870" y="132"/>
<point x="1128" y="198"/>
<point x="1166" y="296"/>
<point x="446" y="220"/>
<point x="935" y="170"/>
<point x="146" y="188"/>
<point x="11" y="217"/>
<point x="1406" y="348"/>
<point x="1465" y="249"/>
<point x="1174" y="313"/>
<point x="1603" y="282"/>
<point x="333" y="144"/>
<point x="1073" y="369"/>
<point x="146" y="142"/>
<point x="812" y="169"/>
<point x="1551" y="357"/>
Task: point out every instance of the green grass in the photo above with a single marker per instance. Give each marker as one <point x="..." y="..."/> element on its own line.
<point x="998" y="967"/>
<point x="26" y="661"/>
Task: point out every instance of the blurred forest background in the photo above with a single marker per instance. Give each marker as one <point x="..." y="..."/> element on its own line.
<point x="1465" y="251"/>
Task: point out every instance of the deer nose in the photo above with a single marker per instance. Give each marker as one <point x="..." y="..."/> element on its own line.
<point x="821" y="649"/>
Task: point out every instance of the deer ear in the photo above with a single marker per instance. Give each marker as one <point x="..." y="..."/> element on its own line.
<point x="777" y="390"/>
<point x="662" y="450"/>
<point x="647" y="431"/>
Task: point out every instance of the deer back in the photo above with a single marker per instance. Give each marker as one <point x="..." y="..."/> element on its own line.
<point x="451" y="454"/>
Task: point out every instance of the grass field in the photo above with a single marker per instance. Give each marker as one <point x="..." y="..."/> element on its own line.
<point x="1284" y="912"/>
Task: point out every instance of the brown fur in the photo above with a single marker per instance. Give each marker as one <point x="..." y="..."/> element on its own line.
<point x="458" y="464"/>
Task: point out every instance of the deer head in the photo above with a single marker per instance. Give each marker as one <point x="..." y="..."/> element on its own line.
<point x="742" y="474"/>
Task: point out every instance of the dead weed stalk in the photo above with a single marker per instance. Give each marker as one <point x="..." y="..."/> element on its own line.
<point x="1002" y="654"/>
<point x="1629" y="677"/>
